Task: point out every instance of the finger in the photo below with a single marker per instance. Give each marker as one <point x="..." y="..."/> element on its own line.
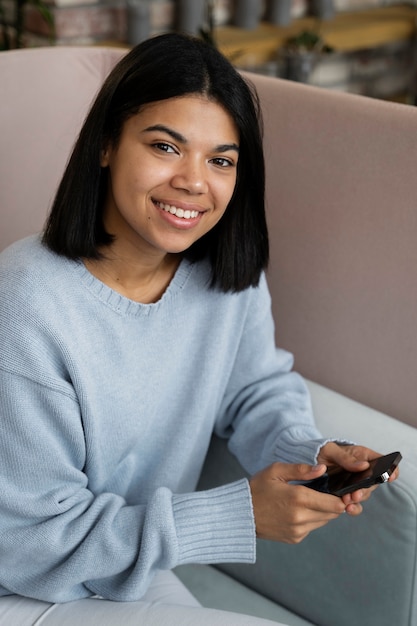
<point x="354" y="509"/>
<point x="353" y="458"/>
<point x="322" y="504"/>
<point x="287" y="472"/>
<point x="355" y="496"/>
<point x="301" y="517"/>
<point x="360" y="495"/>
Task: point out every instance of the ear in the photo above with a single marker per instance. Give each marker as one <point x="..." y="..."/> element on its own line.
<point x="104" y="156"/>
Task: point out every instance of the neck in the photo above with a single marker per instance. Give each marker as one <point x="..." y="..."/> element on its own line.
<point x="142" y="280"/>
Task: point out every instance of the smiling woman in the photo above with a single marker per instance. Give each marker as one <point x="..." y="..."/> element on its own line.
<point x="178" y="113"/>
<point x="169" y="184"/>
<point x="137" y="326"/>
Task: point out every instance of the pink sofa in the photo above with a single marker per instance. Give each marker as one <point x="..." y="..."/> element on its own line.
<point x="342" y="210"/>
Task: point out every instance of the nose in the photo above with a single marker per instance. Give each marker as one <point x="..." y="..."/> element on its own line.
<point x="191" y="176"/>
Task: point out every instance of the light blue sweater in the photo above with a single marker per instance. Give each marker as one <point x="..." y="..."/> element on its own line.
<point x="107" y="407"/>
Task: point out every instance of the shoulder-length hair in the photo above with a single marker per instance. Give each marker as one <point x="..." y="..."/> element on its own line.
<point x="168" y="66"/>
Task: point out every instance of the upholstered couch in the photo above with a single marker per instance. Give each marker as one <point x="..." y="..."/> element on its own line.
<point x="342" y="211"/>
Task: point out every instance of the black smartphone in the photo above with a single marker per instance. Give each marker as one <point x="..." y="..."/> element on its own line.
<point x="339" y="482"/>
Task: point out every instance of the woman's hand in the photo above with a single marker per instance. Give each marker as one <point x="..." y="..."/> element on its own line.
<point x="354" y="459"/>
<point x="288" y="513"/>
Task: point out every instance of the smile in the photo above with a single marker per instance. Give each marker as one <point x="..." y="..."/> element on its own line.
<point x="178" y="212"/>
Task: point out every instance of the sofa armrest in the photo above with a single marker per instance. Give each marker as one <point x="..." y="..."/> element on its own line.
<point x="354" y="570"/>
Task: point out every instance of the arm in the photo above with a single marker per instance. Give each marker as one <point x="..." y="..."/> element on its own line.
<point x="61" y="541"/>
<point x="272" y="420"/>
<point x="266" y="412"/>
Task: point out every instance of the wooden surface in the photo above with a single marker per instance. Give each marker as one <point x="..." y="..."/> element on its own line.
<point x="346" y="32"/>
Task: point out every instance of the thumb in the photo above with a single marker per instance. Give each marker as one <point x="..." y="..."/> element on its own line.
<point x="349" y="457"/>
<point x="287" y="472"/>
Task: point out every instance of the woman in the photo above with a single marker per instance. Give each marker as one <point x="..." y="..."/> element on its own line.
<point x="137" y="326"/>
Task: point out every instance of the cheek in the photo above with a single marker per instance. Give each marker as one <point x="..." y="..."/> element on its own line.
<point x="140" y="178"/>
<point x="126" y="180"/>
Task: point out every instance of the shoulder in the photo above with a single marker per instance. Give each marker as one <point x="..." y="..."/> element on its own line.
<point x="25" y="254"/>
<point x="27" y="268"/>
<point x="33" y="294"/>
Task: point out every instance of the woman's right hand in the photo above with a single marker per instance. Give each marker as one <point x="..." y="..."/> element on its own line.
<point x="287" y="512"/>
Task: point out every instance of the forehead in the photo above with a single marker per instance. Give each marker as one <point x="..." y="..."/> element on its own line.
<point x="189" y="115"/>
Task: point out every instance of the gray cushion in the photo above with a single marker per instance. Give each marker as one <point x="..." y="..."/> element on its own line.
<point x="215" y="589"/>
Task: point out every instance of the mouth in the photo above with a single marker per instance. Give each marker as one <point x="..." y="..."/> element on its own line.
<point x="185" y="214"/>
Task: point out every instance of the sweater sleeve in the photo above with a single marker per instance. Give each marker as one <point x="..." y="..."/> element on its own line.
<point x="266" y="411"/>
<point x="60" y="542"/>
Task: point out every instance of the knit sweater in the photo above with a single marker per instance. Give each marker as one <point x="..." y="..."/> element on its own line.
<point x="107" y="407"/>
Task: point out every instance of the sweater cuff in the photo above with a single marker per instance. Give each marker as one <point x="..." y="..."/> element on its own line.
<point x="216" y="526"/>
<point x="291" y="448"/>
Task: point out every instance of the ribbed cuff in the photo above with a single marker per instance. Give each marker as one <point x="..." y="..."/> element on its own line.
<point x="299" y="444"/>
<point x="216" y="526"/>
<point x="290" y="449"/>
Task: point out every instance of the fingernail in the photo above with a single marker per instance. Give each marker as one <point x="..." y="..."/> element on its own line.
<point x="318" y="468"/>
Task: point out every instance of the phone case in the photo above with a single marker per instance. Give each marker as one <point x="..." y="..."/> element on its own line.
<point x="341" y="482"/>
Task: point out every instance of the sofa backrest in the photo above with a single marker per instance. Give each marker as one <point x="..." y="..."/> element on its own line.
<point x="342" y="209"/>
<point x="341" y="201"/>
<point x="45" y="93"/>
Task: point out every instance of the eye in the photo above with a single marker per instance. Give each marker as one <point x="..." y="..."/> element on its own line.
<point x="223" y="162"/>
<point x="164" y="147"/>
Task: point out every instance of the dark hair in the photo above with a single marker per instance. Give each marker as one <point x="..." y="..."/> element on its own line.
<point x="162" y="67"/>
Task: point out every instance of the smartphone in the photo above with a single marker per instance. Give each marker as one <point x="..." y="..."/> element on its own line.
<point x="339" y="482"/>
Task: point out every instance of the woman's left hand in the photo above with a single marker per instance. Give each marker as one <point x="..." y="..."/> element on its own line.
<point x="354" y="459"/>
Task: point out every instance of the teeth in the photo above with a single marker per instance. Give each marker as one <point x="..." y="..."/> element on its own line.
<point x="177" y="211"/>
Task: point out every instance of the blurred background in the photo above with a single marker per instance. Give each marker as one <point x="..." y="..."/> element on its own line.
<point x="360" y="46"/>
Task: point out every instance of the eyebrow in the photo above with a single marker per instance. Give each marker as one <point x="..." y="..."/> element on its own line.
<point x="223" y="147"/>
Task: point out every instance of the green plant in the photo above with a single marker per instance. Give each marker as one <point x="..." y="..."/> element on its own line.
<point x="307" y="41"/>
<point x="12" y="28"/>
<point x="300" y="55"/>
